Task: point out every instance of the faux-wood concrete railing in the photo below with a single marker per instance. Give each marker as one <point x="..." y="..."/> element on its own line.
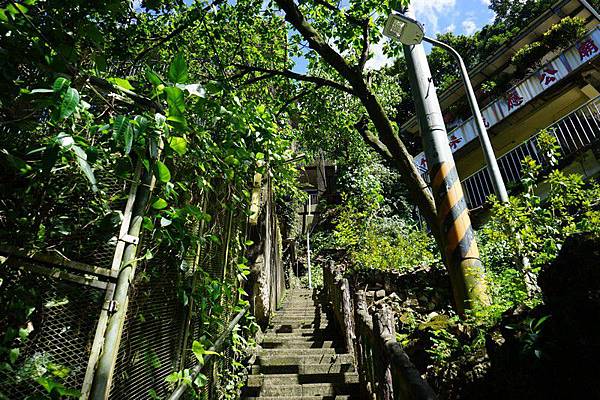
<point x="385" y="371"/>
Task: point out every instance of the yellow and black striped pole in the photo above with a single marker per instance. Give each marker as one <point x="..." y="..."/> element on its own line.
<point x="460" y="247"/>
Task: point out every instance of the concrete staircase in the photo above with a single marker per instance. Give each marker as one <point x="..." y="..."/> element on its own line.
<point x="302" y="356"/>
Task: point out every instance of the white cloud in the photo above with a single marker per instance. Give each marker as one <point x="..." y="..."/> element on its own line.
<point x="378" y="59"/>
<point x="486" y="2"/>
<point x="450" y="28"/>
<point x="429" y="11"/>
<point x="469" y="27"/>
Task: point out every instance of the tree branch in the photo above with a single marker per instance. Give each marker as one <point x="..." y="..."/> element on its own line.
<point x="293" y="75"/>
<point x="298" y="97"/>
<point x="397" y="152"/>
<point x="196" y="14"/>
<point x="138" y="99"/>
<point x="376" y="144"/>
<point x="333" y="8"/>
<point x="365" y="49"/>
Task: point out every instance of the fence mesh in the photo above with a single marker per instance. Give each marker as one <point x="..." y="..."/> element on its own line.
<point x="62" y="323"/>
<point x="65" y="217"/>
<point x="48" y="323"/>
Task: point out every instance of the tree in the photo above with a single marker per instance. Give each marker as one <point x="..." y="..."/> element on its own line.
<point x="340" y="46"/>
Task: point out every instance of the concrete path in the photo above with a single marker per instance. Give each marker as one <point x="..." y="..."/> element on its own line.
<point x="302" y="356"/>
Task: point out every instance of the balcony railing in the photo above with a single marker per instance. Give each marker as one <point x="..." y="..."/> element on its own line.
<point x="573" y="132"/>
<point x="546" y="77"/>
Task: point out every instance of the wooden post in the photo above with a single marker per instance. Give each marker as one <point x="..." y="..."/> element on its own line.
<point x="348" y="315"/>
<point x="383" y="326"/>
<point x="363" y="361"/>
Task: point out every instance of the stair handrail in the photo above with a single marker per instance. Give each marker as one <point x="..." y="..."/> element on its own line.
<point x="216" y="347"/>
<point x="385" y="370"/>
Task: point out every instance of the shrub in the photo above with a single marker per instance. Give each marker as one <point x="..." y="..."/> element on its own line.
<point x="564" y="33"/>
<point x="529" y="56"/>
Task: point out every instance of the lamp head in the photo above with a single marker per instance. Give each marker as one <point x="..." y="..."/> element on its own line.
<point x="403" y="29"/>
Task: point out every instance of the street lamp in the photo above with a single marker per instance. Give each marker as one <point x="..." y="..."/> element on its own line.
<point x="403" y="29"/>
<point x="410" y="32"/>
<point x="458" y="241"/>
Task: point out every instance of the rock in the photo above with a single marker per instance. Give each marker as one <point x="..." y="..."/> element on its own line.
<point x="571" y="288"/>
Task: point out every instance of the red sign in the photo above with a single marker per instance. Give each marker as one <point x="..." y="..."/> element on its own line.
<point x="454" y="141"/>
<point x="587" y="48"/>
<point x="548" y="76"/>
<point x="513" y="99"/>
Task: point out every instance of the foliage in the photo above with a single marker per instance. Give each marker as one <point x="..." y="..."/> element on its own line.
<point x="529" y="56"/>
<point x="101" y="87"/>
<point x="533" y="227"/>
<point x="316" y="272"/>
<point x="373" y="223"/>
<point x="560" y="36"/>
<point x="517" y="240"/>
<point x="564" y="33"/>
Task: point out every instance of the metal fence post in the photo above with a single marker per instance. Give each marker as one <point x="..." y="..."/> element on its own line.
<point x="106" y="363"/>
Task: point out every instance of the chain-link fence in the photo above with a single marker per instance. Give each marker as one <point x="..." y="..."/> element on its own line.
<point x="61" y="248"/>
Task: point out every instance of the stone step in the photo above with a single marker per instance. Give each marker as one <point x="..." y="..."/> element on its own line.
<point x="290" y="326"/>
<point x="302" y="334"/>
<point x="340" y="397"/>
<point x="335" y="368"/>
<point x="300" y="312"/>
<point x="299" y="344"/>
<point x="299" y="305"/>
<point x="304" y="351"/>
<point x="303" y="359"/>
<point x="299" y="317"/>
<point x="301" y="328"/>
<point x="301" y="379"/>
<point x="310" y="389"/>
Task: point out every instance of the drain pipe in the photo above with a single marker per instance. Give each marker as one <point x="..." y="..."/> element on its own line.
<point x="105" y="368"/>
<point x="591" y="9"/>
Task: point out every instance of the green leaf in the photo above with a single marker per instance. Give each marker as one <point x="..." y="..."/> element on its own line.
<point x="214" y="87"/>
<point x="178" y="144"/>
<point x="153" y="77"/>
<point x="175" y="100"/>
<point x="14" y="354"/>
<point x="67" y="142"/>
<point x="173" y="377"/>
<point x="178" y="70"/>
<point x="60" y="83"/>
<point x="16" y="163"/>
<point x="122" y="132"/>
<point x="69" y="103"/>
<point x="123" y="83"/>
<point x="159" y="204"/>
<point x="141" y="123"/>
<point x="201" y="380"/>
<point x="162" y="172"/>
<point x="100" y="62"/>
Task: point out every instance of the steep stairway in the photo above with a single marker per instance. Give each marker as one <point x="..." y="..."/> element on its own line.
<point x="302" y="356"/>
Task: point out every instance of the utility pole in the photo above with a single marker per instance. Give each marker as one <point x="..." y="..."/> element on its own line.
<point x="459" y="245"/>
<point x="488" y="150"/>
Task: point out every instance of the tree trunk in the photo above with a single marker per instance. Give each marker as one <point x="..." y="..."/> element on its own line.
<point x="466" y="274"/>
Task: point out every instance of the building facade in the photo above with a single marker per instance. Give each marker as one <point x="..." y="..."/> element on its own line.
<point x="560" y="94"/>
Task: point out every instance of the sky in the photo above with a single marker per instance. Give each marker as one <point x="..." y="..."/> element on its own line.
<point x="438" y="16"/>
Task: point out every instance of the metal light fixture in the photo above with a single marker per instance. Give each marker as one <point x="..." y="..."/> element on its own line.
<point x="404" y="29"/>
<point x="410" y="32"/>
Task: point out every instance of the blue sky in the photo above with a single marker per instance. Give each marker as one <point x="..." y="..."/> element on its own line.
<point x="458" y="16"/>
<point x="438" y="16"/>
